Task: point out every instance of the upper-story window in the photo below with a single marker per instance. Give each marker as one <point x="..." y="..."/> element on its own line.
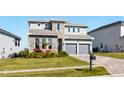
<point x="58" y="26"/>
<point x="73" y="29"/>
<point x="78" y="30"/>
<point x="38" y="24"/>
<point x="68" y="29"/>
<point x="16" y="42"/>
<point x="46" y="26"/>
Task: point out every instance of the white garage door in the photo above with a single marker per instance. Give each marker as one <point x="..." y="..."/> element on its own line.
<point x="71" y="48"/>
<point x="83" y="49"/>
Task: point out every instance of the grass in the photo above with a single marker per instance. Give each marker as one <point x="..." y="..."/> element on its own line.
<point x="111" y="54"/>
<point x="61" y="73"/>
<point x="30" y="63"/>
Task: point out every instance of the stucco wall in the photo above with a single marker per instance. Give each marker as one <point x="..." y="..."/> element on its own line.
<point x="35" y="25"/>
<point x="109" y="36"/>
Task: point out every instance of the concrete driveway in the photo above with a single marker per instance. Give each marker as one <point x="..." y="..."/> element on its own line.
<point x="114" y="66"/>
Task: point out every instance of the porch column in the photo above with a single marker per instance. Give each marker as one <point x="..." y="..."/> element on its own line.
<point x="63" y="47"/>
<point x="91" y="50"/>
<point x="77" y="48"/>
<point x="63" y="44"/>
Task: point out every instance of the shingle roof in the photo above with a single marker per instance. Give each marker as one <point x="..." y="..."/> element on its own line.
<point x="38" y="21"/>
<point x="75" y="25"/>
<point x="8" y="33"/>
<point x="57" y="20"/>
<point x="51" y="20"/>
<point x="102" y="27"/>
<point x="42" y="32"/>
<point x="78" y="37"/>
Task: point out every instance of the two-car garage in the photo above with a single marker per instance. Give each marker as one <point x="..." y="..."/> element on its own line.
<point x="78" y="44"/>
<point x="74" y="48"/>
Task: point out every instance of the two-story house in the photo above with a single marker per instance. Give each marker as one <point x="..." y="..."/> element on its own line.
<point x="57" y="35"/>
<point x="109" y="37"/>
<point x="9" y="43"/>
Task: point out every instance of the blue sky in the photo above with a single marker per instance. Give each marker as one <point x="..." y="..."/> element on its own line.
<point x="18" y="24"/>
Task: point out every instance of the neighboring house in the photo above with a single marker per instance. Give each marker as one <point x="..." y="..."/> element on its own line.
<point x="109" y="37"/>
<point x="9" y="43"/>
<point x="57" y="35"/>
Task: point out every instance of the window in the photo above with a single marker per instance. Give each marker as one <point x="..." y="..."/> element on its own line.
<point x="46" y="26"/>
<point x="73" y="29"/>
<point x="58" y="26"/>
<point x="38" y="24"/>
<point x="50" y="43"/>
<point x="68" y="29"/>
<point x="101" y="45"/>
<point x="36" y="43"/>
<point x="3" y="50"/>
<point x="16" y="42"/>
<point x="44" y="44"/>
<point x="78" y="30"/>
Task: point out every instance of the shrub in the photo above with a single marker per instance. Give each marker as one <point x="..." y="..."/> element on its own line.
<point x="62" y="54"/>
<point x="95" y="49"/>
<point x="37" y="50"/>
<point x="24" y="53"/>
<point x="34" y="55"/>
<point x="37" y="53"/>
<point x="14" y="55"/>
<point x="50" y="54"/>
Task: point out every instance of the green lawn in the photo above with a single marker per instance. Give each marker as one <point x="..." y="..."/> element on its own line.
<point x="111" y="54"/>
<point x="61" y="73"/>
<point x="30" y="63"/>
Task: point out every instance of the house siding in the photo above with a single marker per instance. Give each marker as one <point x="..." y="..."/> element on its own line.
<point x="109" y="36"/>
<point x="83" y="31"/>
<point x="7" y="46"/>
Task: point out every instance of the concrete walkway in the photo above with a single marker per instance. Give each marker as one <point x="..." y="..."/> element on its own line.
<point x="45" y="69"/>
<point x="114" y="66"/>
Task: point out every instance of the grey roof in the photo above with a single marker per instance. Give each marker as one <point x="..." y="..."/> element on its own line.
<point x="42" y="32"/>
<point x="8" y="34"/>
<point x="57" y="20"/>
<point x="78" y="37"/>
<point x="51" y="20"/>
<point x="35" y="21"/>
<point x="102" y="27"/>
<point x="75" y="25"/>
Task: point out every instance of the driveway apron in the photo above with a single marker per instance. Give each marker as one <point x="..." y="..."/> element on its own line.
<point x="113" y="66"/>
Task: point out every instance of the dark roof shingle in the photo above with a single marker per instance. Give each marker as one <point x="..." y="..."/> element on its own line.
<point x="42" y="32"/>
<point x="9" y="34"/>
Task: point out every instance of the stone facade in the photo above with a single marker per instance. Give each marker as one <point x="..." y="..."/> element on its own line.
<point x="32" y="43"/>
<point x="53" y="26"/>
<point x="55" y="44"/>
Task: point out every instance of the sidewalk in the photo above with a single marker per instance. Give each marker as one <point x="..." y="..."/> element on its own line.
<point x="46" y="69"/>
